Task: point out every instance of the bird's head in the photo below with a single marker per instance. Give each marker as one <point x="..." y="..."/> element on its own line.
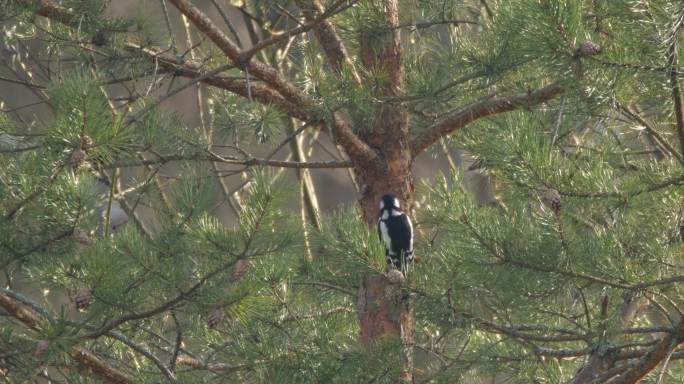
<point x="389" y="203"/>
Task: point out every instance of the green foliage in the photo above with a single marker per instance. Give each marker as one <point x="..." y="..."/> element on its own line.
<point x="82" y="109"/>
<point x="588" y="210"/>
<point x="239" y="120"/>
<point x="346" y="250"/>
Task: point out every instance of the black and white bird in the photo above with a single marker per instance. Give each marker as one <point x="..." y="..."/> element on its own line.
<point x="396" y="231"/>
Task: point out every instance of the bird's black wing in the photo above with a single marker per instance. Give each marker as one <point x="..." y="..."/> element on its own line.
<point x="401" y="230"/>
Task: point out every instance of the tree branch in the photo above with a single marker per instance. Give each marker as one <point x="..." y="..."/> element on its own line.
<point x="653" y="358"/>
<point x="219" y="159"/>
<point x="52" y="11"/>
<point x="283" y="94"/>
<point x="489" y="107"/>
<point x="254" y="67"/>
<point x="602" y="360"/>
<point x="314" y="22"/>
<point x="113" y="335"/>
<point x="220" y="368"/>
<point x="327" y="36"/>
<point x="185" y="68"/>
<point x="656" y="136"/>
<point x="338" y="57"/>
<point x="96" y="365"/>
<point x="258" y="91"/>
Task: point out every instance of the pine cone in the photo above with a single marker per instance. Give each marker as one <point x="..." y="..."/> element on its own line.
<point x="78" y="157"/>
<point x="239" y="269"/>
<point x="99" y="39"/>
<point x="82" y="237"/>
<point x="86" y="142"/>
<point x="42" y="346"/>
<point x="588" y="48"/>
<point x="552" y="199"/>
<point x="215" y="317"/>
<point x="83" y="299"/>
<point x="394" y="276"/>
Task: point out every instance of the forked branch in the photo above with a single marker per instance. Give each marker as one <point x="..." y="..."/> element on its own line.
<point x="327" y="36"/>
<point x="254" y="67"/>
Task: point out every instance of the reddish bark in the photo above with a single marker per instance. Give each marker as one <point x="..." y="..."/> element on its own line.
<point x="653" y="358"/>
<point x="378" y="317"/>
<point x="383" y="310"/>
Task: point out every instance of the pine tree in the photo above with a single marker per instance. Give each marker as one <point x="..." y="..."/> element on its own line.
<point x="141" y="245"/>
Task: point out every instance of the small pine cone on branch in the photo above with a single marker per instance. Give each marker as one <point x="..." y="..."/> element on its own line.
<point x="552" y="199"/>
<point x="83" y="299"/>
<point x="394" y="276"/>
<point x="588" y="48"/>
<point x="78" y="158"/>
<point x="82" y="237"/>
<point x="41" y="347"/>
<point x="99" y="39"/>
<point x="86" y="142"/>
<point x="239" y="270"/>
<point x="215" y="317"/>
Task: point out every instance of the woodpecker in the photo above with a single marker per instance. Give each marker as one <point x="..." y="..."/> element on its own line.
<point x="396" y="231"/>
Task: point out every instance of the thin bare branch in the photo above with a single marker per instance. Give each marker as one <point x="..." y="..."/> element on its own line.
<point x="314" y="23"/>
<point x="209" y="156"/>
<point x="22" y="82"/>
<point x="193" y="70"/>
<point x="428" y="24"/>
<point x="253" y="66"/>
<point x="631" y="113"/>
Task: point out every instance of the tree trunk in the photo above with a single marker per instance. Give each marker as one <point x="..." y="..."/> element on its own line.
<point x="384" y="311"/>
